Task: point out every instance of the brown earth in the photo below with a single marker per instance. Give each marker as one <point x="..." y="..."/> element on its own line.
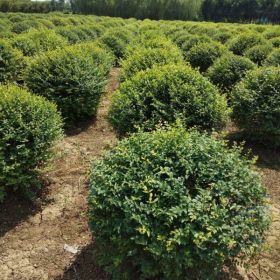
<point x="33" y="236"/>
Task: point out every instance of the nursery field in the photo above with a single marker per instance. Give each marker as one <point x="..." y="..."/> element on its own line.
<point x="137" y="149"/>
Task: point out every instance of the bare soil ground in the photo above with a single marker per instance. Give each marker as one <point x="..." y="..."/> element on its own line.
<point x="33" y="236"/>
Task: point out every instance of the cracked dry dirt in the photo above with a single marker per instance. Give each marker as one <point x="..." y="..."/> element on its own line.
<point x="32" y="237"/>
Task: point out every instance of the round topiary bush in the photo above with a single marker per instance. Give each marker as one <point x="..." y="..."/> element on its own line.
<point x="228" y="70"/>
<point x="156" y="42"/>
<point x="223" y="36"/>
<point x="274" y="58"/>
<point x="256" y="103"/>
<point x="29" y="127"/>
<point x="11" y="62"/>
<point x="35" y="41"/>
<point x="146" y="58"/>
<point x="203" y="55"/>
<point x="272" y="33"/>
<point x="275" y="42"/>
<point x="181" y="38"/>
<point x="192" y="41"/>
<point x="163" y="94"/>
<point x="239" y="44"/>
<point x="172" y="204"/>
<point x="22" y="26"/>
<point x="117" y="40"/>
<point x="73" y="78"/>
<point x="72" y="34"/>
<point x="259" y="53"/>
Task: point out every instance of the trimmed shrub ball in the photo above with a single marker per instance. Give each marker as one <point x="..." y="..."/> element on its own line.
<point x="182" y="38"/>
<point x="203" y="55"/>
<point x="256" y="103"/>
<point x="275" y="42"/>
<point x="273" y="59"/>
<point x="73" y="78"/>
<point x="11" y="63"/>
<point x="228" y="70"/>
<point x="24" y="25"/>
<point x="117" y="39"/>
<point x="29" y="128"/>
<point x="172" y="204"/>
<point x="192" y="41"/>
<point x="239" y="44"/>
<point x="156" y="42"/>
<point x="259" y="53"/>
<point x="163" y="94"/>
<point x="35" y="41"/>
<point x="272" y="33"/>
<point x="146" y="58"/>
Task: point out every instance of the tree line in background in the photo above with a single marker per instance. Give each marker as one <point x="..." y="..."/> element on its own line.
<point x="214" y="10"/>
<point x="28" y="6"/>
<point x="241" y="10"/>
<point x="154" y="9"/>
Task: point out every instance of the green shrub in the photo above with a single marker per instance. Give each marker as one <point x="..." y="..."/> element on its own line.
<point x="146" y="58"/>
<point x="59" y="21"/>
<point x="154" y="43"/>
<point x="46" y="23"/>
<point x="91" y="33"/>
<point x="228" y="70"/>
<point x="192" y="41"/>
<point x="71" y="33"/>
<point x="20" y="27"/>
<point x="203" y="55"/>
<point x="163" y="94"/>
<point x="271" y="33"/>
<point x="30" y="125"/>
<point x="182" y="38"/>
<point x="174" y="205"/>
<point x="117" y="40"/>
<point x="35" y="41"/>
<point x="256" y="103"/>
<point x="239" y="44"/>
<point x="11" y="63"/>
<point x="4" y="26"/>
<point x="223" y="37"/>
<point x="273" y="59"/>
<point x="259" y="53"/>
<point x="275" y="42"/>
<point x="73" y="77"/>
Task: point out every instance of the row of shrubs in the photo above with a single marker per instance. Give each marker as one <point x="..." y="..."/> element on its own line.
<point x="66" y="86"/>
<point x="159" y="86"/>
<point x="171" y="201"/>
<point x="59" y="80"/>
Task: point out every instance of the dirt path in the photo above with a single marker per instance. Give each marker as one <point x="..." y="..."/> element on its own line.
<point x="267" y="266"/>
<point x="32" y="238"/>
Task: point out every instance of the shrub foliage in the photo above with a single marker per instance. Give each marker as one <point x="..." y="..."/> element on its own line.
<point x="228" y="70"/>
<point x="172" y="203"/>
<point x="256" y="103"/>
<point x="29" y="127"/>
<point x="203" y="55"/>
<point x="163" y="94"/>
<point x="73" y="77"/>
<point x="146" y="58"/>
<point x="11" y="62"/>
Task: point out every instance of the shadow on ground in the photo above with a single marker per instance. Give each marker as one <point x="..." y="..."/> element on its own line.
<point x="268" y="155"/>
<point x="80" y="126"/>
<point x="17" y="208"/>
<point x="84" y="267"/>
